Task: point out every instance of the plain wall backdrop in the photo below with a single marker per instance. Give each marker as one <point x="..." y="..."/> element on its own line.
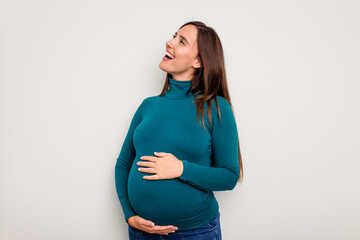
<point x="74" y="72"/>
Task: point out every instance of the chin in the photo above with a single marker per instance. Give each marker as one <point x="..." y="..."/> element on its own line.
<point x="162" y="67"/>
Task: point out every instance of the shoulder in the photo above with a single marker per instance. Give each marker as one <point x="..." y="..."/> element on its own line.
<point x="224" y="104"/>
<point x="226" y="111"/>
<point x="149" y="101"/>
<point x="222" y="101"/>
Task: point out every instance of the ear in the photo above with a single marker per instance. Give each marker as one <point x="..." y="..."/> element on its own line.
<point x="197" y="64"/>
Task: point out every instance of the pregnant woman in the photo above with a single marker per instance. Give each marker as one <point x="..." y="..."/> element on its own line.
<point x="181" y="145"/>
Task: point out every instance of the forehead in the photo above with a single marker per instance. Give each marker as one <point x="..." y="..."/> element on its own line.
<point x="189" y="32"/>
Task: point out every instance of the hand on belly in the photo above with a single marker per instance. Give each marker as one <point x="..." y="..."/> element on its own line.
<point x="149" y="226"/>
<point x="164" y="166"/>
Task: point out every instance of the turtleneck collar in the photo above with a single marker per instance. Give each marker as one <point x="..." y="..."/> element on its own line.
<point x="178" y="89"/>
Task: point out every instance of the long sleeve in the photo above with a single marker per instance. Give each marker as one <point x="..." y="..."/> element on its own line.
<point x="123" y="165"/>
<point x="224" y="172"/>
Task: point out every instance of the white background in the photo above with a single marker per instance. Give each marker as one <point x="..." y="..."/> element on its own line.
<point x="74" y="72"/>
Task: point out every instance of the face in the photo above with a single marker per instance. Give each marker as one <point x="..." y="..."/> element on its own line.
<point x="184" y="50"/>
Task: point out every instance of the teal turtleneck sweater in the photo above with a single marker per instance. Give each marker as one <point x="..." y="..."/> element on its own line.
<point x="169" y="124"/>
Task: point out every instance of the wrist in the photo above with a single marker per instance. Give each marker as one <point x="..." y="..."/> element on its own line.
<point x="130" y="219"/>
<point x="181" y="168"/>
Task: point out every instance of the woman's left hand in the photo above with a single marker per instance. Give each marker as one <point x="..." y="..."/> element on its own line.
<point x="165" y="166"/>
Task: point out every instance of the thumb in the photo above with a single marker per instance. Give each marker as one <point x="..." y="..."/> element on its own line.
<point x="148" y="223"/>
<point x="160" y="153"/>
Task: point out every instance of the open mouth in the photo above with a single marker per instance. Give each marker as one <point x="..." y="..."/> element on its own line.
<point x="168" y="56"/>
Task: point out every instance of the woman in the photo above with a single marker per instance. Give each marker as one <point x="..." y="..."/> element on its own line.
<point x="172" y="160"/>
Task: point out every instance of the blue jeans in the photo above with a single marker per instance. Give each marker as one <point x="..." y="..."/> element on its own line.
<point x="210" y="231"/>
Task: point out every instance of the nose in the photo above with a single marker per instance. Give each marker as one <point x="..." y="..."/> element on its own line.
<point x="170" y="43"/>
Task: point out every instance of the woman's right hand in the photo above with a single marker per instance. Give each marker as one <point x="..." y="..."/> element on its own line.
<point x="149" y="226"/>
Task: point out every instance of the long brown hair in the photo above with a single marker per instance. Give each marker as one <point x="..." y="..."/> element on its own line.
<point x="210" y="79"/>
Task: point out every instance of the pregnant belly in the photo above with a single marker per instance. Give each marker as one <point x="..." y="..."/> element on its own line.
<point x="165" y="201"/>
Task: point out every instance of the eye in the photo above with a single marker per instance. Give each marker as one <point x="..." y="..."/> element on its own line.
<point x="181" y="41"/>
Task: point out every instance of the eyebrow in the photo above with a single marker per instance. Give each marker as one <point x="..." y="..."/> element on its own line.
<point x="183" y="38"/>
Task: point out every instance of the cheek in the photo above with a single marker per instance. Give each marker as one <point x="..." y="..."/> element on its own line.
<point x="184" y="58"/>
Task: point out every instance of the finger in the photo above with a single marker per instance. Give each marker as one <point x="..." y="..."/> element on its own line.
<point x="151" y="177"/>
<point x="166" y="229"/>
<point x="147" y="223"/>
<point x="167" y="232"/>
<point x="163" y="228"/>
<point x="148" y="158"/>
<point x="160" y="153"/>
<point x="147" y="170"/>
<point x="164" y="232"/>
<point x="146" y="164"/>
<point x="152" y="230"/>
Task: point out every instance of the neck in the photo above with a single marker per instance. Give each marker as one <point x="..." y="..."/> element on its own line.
<point x="178" y="89"/>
